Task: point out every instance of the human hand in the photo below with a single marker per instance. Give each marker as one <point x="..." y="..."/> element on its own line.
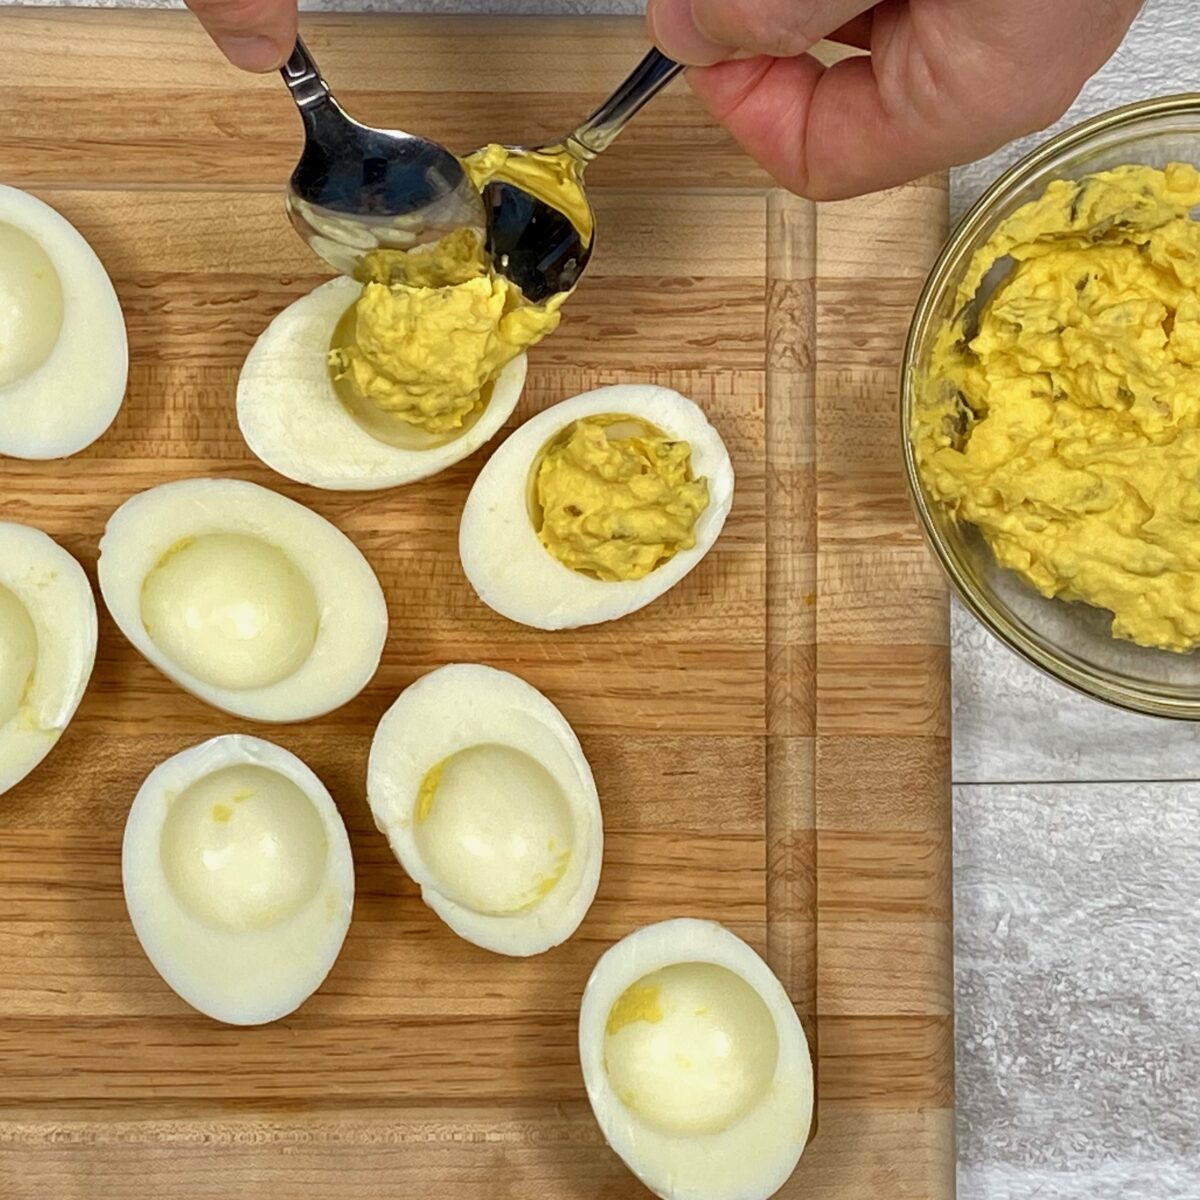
<point x="256" y="35"/>
<point x="946" y="82"/>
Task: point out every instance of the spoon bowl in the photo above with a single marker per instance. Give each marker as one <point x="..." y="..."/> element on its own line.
<point x="531" y="242"/>
<point x="357" y="189"/>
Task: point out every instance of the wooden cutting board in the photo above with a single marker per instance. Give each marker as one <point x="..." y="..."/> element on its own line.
<point x="770" y="740"/>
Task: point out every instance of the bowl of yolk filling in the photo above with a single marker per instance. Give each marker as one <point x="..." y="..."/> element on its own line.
<point x="1051" y="408"/>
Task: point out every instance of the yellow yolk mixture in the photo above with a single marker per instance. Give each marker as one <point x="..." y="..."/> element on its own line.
<point x="1062" y="412"/>
<point x="616" y="498"/>
<point x="555" y="179"/>
<point x="432" y="329"/>
<point x="435" y="325"/>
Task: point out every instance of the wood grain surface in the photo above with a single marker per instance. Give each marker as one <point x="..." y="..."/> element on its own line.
<point x="770" y="740"/>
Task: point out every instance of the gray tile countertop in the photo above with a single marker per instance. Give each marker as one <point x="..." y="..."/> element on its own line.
<point x="1077" y="849"/>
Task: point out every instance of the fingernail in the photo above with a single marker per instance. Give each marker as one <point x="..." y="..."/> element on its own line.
<point x="251" y="53"/>
<point x="676" y="33"/>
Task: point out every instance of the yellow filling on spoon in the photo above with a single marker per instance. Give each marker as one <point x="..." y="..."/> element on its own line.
<point x="435" y="325"/>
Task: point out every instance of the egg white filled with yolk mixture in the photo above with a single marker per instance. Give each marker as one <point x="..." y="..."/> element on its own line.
<point x="238" y="878"/>
<point x="292" y="417"/>
<point x="485" y="796"/>
<point x="596" y="507"/>
<point x="63" y="351"/>
<point x="695" y="1063"/>
<point x="47" y="646"/>
<point x="250" y="601"/>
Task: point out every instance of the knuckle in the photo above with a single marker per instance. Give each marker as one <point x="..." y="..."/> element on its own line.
<point x="227" y="16"/>
<point x="778" y="28"/>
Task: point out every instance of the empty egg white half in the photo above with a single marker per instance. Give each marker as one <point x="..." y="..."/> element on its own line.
<point x="63" y="351"/>
<point x="510" y="569"/>
<point x="243" y="597"/>
<point x="483" y="791"/>
<point x="292" y="419"/>
<point x="696" y="1065"/>
<point x="238" y="878"/>
<point x="47" y="646"/>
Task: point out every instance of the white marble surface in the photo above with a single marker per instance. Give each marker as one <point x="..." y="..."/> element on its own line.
<point x="1077" y="862"/>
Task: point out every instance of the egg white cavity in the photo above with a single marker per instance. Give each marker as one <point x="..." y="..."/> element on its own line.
<point x="31" y="305"/>
<point x="505" y="562"/>
<point x="47" y="646"/>
<point x="18" y="653"/>
<point x="695" y="1063"/>
<point x="243" y="597"/>
<point x="243" y="847"/>
<point x="232" y="610"/>
<point x="238" y="878"/>
<point x="487" y="800"/>
<point x="63" y="348"/>
<point x="691" y="1048"/>
<point x="496" y="833"/>
<point x="294" y="422"/>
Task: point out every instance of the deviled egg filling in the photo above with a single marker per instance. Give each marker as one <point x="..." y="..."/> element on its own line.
<point x="18" y="654"/>
<point x="614" y="497"/>
<point x="378" y="382"/>
<point x="431" y="330"/>
<point x="592" y="509"/>
<point x="31" y="305"/>
<point x="231" y="609"/>
<point x="243" y="847"/>
<point x="690" y="1048"/>
<point x="555" y="179"/>
<point x="494" y="829"/>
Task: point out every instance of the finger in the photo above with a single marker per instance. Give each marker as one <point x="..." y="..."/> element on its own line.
<point x="927" y="98"/>
<point x="674" y="31"/>
<point x="256" y="35"/>
<point x="702" y="32"/>
<point x="824" y="132"/>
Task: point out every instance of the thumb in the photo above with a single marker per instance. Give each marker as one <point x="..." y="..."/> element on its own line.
<point x="255" y="35"/>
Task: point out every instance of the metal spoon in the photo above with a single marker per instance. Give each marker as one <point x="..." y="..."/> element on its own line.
<point x="356" y="188"/>
<point x="534" y="244"/>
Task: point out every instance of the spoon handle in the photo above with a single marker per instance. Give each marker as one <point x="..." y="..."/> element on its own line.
<point x="646" y="80"/>
<point x="303" y="78"/>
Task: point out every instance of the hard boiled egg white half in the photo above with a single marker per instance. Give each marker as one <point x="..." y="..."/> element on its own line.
<point x="47" y="646"/>
<point x="485" y="796"/>
<point x="63" y="351"/>
<point x="293" y="419"/>
<point x="238" y="878"/>
<point x="506" y="563"/>
<point x="695" y="1063"/>
<point x="243" y="597"/>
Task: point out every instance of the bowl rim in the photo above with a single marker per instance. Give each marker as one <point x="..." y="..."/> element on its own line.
<point x="1131" y="698"/>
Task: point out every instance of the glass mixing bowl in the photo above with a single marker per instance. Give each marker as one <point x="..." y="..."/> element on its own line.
<point x="1070" y="641"/>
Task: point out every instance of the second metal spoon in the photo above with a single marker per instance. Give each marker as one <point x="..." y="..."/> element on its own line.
<point x="534" y="244"/>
